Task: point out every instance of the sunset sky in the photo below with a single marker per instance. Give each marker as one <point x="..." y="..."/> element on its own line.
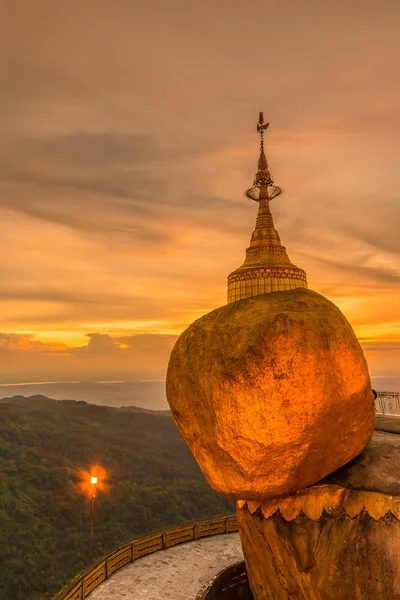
<point x="128" y="138"/>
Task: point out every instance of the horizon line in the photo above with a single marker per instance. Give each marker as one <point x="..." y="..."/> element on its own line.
<point x="81" y="382"/>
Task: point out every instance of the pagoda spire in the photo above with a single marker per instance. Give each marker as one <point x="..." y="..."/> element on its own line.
<point x="263" y="175"/>
<point x="267" y="267"/>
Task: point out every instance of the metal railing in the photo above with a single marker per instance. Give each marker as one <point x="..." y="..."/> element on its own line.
<point x="388" y="403"/>
<point x="81" y="587"/>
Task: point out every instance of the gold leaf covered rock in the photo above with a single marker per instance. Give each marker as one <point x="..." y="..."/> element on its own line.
<point x="271" y="393"/>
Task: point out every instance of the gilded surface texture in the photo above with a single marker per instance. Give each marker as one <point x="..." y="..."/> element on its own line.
<point x="271" y="393"/>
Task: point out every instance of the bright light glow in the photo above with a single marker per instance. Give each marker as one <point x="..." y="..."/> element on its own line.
<point x="93" y="480"/>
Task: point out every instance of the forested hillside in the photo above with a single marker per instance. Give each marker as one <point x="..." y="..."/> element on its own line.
<point x="154" y="483"/>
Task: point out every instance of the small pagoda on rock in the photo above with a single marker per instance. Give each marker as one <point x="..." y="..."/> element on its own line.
<point x="267" y="267"/>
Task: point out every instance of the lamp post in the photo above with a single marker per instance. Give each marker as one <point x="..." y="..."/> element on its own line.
<point x="93" y="489"/>
<point x="90" y="482"/>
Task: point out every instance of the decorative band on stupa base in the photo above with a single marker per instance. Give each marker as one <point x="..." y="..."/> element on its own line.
<point x="263" y="281"/>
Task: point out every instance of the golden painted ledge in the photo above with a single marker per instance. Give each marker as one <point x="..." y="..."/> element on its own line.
<point x="370" y="482"/>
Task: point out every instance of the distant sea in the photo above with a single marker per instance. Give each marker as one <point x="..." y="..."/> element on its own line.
<point x="386" y="384"/>
<point x="148" y="394"/>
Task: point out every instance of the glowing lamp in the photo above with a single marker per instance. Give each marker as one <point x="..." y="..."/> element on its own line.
<point x="93" y="480"/>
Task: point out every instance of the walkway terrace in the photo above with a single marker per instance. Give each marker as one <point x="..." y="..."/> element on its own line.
<point x="175" y="574"/>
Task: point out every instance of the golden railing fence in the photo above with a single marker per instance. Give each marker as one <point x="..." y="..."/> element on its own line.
<point x="128" y="553"/>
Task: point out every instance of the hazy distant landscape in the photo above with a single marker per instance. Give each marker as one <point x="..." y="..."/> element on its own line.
<point x="389" y="384"/>
<point x="145" y="394"/>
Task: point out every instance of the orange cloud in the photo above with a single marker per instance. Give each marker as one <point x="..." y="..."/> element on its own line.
<point x="123" y="215"/>
<point x="103" y="357"/>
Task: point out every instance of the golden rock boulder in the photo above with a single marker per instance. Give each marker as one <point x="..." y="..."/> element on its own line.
<point x="271" y="393"/>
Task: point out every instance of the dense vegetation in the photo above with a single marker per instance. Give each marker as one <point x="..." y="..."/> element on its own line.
<point x="154" y="483"/>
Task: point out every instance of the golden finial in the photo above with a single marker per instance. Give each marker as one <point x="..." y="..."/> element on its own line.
<point x="261" y="127"/>
<point x="263" y="183"/>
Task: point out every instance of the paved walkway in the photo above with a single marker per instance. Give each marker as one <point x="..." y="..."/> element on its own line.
<point x="177" y="573"/>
